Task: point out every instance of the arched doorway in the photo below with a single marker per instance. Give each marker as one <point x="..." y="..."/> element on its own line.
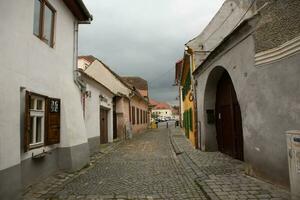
<point x="228" y="119"/>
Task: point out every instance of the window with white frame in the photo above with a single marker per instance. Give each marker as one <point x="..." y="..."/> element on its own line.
<point x="37" y="121"/>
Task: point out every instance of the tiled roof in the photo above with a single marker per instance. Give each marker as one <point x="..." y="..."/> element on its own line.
<point x="159" y="105"/>
<point x="137" y="82"/>
<point x="153" y="102"/>
<point x="162" y="106"/>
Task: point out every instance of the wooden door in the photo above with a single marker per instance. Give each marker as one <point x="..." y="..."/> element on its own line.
<point x="103" y="126"/>
<point x="229" y="121"/>
<point x="115" y="122"/>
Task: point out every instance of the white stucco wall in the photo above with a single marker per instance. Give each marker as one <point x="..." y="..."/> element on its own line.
<point x="92" y="112"/>
<point x="28" y="62"/>
<point x="163" y="112"/>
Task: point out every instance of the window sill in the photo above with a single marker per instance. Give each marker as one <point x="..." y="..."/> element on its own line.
<point x="45" y="42"/>
<point x="35" y="146"/>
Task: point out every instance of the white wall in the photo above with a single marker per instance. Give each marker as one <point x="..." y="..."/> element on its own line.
<point x="163" y="112"/>
<point x="105" y="77"/>
<point x="92" y="112"/>
<point x="28" y="62"/>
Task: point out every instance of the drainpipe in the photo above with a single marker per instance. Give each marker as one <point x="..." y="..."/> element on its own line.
<point x="76" y="75"/>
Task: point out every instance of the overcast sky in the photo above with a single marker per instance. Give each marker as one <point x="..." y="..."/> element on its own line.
<point x="145" y="37"/>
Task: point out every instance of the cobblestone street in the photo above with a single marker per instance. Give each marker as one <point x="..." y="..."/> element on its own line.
<point x="158" y="164"/>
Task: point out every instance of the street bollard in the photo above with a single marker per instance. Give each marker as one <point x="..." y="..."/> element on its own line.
<point x="167" y="125"/>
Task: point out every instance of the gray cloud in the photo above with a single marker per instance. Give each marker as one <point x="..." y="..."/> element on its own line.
<point x="145" y="37"/>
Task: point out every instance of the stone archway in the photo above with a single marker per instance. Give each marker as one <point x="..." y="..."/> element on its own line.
<point x="223" y="122"/>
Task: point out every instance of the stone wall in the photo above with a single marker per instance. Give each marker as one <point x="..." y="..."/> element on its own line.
<point x="279" y="22"/>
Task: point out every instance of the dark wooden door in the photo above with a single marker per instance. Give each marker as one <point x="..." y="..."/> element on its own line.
<point x="115" y="122"/>
<point x="229" y="121"/>
<point x="103" y="126"/>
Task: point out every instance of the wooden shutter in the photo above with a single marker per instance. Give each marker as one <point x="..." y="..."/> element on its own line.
<point x="191" y="119"/>
<point x="26" y="136"/>
<point x="137" y="116"/>
<point x="52" y="121"/>
<point x="133" y="115"/>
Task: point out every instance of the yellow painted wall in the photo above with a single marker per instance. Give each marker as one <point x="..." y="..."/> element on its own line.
<point x="187" y="104"/>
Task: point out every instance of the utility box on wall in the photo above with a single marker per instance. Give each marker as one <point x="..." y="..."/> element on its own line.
<point x="293" y="149"/>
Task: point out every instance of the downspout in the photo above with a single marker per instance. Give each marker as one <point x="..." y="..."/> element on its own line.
<point x="76" y="75"/>
<point x="193" y="91"/>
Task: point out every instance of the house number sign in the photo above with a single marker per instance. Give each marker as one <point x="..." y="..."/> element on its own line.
<point x="54" y="106"/>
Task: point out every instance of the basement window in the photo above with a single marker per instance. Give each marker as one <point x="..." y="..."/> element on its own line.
<point x="44" y="21"/>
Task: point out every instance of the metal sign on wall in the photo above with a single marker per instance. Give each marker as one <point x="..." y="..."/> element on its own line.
<point x="54" y="105"/>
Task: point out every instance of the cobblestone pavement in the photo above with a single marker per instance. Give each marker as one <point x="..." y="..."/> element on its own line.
<point x="219" y="176"/>
<point x="145" y="167"/>
<point x="159" y="164"/>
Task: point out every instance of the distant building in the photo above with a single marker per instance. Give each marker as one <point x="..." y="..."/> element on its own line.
<point x="187" y="102"/>
<point x="124" y="112"/>
<point x="160" y="110"/>
<point x="175" y="113"/>
<point x="141" y="106"/>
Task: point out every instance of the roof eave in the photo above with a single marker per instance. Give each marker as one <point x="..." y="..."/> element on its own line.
<point x="79" y="10"/>
<point x="212" y="53"/>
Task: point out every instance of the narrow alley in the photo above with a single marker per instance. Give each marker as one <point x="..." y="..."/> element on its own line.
<point x="131" y="99"/>
<point x="157" y="164"/>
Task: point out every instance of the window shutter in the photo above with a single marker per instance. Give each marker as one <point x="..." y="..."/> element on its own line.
<point x="52" y="121"/>
<point x="191" y="119"/>
<point x="27" y="122"/>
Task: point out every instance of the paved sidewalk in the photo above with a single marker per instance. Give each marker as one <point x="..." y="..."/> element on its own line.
<point x="219" y="176"/>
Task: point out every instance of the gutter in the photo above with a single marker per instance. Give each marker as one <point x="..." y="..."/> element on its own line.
<point x="85" y="10"/>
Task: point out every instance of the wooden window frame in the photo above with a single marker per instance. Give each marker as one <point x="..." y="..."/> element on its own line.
<point x="43" y="4"/>
<point x="34" y="113"/>
<point x="46" y="121"/>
